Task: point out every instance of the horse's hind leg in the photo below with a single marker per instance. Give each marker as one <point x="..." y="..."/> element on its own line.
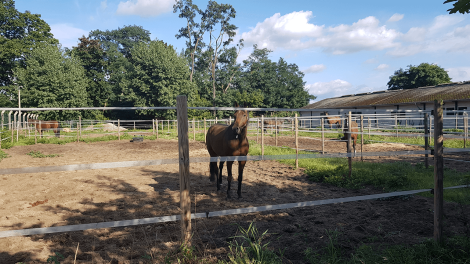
<point x="229" y="178"/>
<point x="212" y="165"/>
<point x="241" y="166"/>
<point x="219" y="179"/>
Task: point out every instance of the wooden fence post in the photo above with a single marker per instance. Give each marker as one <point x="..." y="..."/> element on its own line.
<point x="156" y="124"/>
<point x="349" y="145"/>
<point x="438" y="170"/>
<point x="465" y="129"/>
<point x="257" y="130"/>
<point x="40" y="130"/>
<point x="35" y="137"/>
<point x="168" y="126"/>
<point x="78" y="133"/>
<point x="296" y="142"/>
<point x="275" y="129"/>
<point x="262" y="135"/>
<point x="194" y="129"/>
<point x="204" y="130"/>
<point x="426" y="140"/>
<point x="396" y="125"/>
<point x="183" y="141"/>
<point x="322" y="136"/>
<point x="153" y="126"/>
<point x="134" y="125"/>
<point x="368" y="121"/>
<point x="362" y="135"/>
<point x="119" y="129"/>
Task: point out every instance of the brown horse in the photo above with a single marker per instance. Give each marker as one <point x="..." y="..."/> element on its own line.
<point x="333" y="120"/>
<point x="354" y="131"/>
<point x="272" y="124"/>
<point x="224" y="140"/>
<point x="46" y="125"/>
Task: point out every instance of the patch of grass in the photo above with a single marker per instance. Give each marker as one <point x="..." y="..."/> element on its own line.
<point x="331" y="254"/>
<point x="3" y="155"/>
<point x="38" y="154"/>
<point x="251" y="249"/>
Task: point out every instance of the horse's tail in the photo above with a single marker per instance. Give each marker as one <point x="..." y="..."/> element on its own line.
<point x="57" y="129"/>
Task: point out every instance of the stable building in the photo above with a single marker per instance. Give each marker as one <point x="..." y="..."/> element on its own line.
<point x="456" y="97"/>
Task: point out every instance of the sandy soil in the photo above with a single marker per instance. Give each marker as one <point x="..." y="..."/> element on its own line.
<point x="67" y="198"/>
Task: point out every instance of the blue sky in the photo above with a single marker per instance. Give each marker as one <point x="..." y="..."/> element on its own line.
<point x="343" y="47"/>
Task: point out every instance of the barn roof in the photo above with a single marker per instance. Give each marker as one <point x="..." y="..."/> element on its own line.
<point x="447" y="92"/>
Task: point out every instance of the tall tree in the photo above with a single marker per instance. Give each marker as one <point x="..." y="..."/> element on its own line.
<point x="19" y="33"/>
<point x="122" y="39"/>
<point x="92" y="55"/>
<point x="461" y="6"/>
<point x="52" y="79"/>
<point x="156" y="77"/>
<point x="280" y="83"/>
<point x="422" y="75"/>
<point x="208" y="40"/>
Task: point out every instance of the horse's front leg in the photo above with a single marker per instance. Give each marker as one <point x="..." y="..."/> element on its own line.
<point x="241" y="166"/>
<point x="229" y="177"/>
<point x="219" y="179"/>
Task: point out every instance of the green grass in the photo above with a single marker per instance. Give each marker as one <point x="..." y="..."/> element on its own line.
<point x="3" y="155"/>
<point x="38" y="154"/>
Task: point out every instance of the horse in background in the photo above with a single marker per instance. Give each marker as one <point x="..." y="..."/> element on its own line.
<point x="46" y="125"/>
<point x="228" y="140"/>
<point x="272" y="124"/>
<point x="333" y="120"/>
<point x="354" y="131"/>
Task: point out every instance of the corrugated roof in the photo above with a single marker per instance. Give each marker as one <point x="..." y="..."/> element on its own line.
<point x="447" y="92"/>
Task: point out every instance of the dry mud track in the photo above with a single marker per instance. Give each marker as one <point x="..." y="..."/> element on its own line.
<point x="79" y="197"/>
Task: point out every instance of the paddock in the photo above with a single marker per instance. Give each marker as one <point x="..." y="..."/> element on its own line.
<point x="91" y="196"/>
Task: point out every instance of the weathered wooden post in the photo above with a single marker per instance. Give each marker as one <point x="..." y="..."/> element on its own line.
<point x="349" y="145"/>
<point x="3" y="118"/>
<point x="134" y="125"/>
<point x="204" y="130"/>
<point x="119" y="129"/>
<point x="396" y="126"/>
<point x="156" y="124"/>
<point x="426" y="139"/>
<point x="9" y="120"/>
<point x="153" y="127"/>
<point x="322" y="136"/>
<point x="40" y="129"/>
<point x="262" y="135"/>
<point x="183" y="142"/>
<point x="35" y="137"/>
<point x="438" y="170"/>
<point x="168" y="126"/>
<point x="194" y="129"/>
<point x="296" y="142"/>
<point x="275" y="129"/>
<point x="78" y="128"/>
<point x="362" y="135"/>
<point x="257" y="130"/>
<point x="430" y="126"/>
<point x="368" y="121"/>
<point x="465" y="129"/>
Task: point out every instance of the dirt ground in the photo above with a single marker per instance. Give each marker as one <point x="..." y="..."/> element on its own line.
<point x="79" y="197"/>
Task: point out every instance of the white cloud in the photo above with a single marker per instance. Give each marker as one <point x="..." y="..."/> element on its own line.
<point x="396" y="17"/>
<point x="366" y="34"/>
<point x="145" y="8"/>
<point x="459" y="74"/>
<point x="371" y="61"/>
<point x="337" y="87"/>
<point x="104" y="4"/>
<point x="67" y="35"/>
<point x="382" y="67"/>
<point x="444" y="21"/>
<point x="315" y="68"/>
<point x="294" y="32"/>
<point x="286" y="31"/>
<point x="415" y="34"/>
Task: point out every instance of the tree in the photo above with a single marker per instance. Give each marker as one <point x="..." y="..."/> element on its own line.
<point x="280" y="83"/>
<point x="92" y="55"/>
<point x="422" y="75"/>
<point x="461" y="6"/>
<point x="214" y="27"/>
<point x="121" y="39"/>
<point x="51" y="79"/>
<point x="19" y="33"/>
<point x="156" y="77"/>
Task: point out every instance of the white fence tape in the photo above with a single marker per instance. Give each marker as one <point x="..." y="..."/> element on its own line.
<point x="162" y="219"/>
<point x="139" y="163"/>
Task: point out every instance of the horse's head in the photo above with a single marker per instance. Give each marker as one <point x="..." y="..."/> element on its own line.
<point x="241" y="120"/>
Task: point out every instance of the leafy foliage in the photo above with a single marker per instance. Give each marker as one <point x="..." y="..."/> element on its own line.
<point x="51" y="79"/>
<point x="422" y="75"/>
<point x="461" y="6"/>
<point x="156" y="77"/>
